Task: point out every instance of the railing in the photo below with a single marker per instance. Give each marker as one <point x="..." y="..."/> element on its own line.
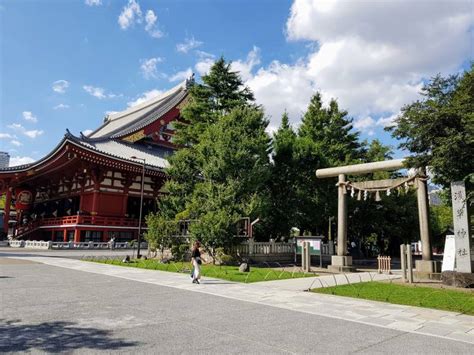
<point x="77" y="219"/>
<point x="384" y="264"/>
<point x="35" y="244"/>
<point x="40" y="244"/>
<point x="266" y="248"/>
<point x="16" y="243"/>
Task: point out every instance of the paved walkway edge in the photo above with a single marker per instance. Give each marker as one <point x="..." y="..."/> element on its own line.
<point x="417" y="320"/>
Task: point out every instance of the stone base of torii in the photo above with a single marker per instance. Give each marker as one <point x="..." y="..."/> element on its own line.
<point x="343" y="262"/>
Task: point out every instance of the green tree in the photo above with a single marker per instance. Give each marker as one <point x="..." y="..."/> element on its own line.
<point x="325" y="139"/>
<point x="439" y="128"/>
<point x="332" y="131"/>
<point x="220" y="172"/>
<point x="234" y="165"/>
<point x="161" y="231"/>
<point x="283" y="181"/>
<point x="441" y="218"/>
<point x="221" y="90"/>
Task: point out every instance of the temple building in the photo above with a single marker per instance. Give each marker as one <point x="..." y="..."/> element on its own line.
<point x="88" y="188"/>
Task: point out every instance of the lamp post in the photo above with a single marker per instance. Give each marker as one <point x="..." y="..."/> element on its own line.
<point x="141" y="205"/>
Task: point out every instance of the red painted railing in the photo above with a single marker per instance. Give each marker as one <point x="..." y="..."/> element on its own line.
<point x="78" y="219"/>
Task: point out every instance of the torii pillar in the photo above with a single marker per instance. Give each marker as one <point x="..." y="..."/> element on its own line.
<point x="342" y="261"/>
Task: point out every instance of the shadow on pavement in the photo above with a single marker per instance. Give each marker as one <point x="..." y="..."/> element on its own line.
<point x="56" y="337"/>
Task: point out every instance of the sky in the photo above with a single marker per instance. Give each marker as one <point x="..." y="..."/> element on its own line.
<point x="67" y="63"/>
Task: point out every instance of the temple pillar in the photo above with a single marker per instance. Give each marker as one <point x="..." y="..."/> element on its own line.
<point x="77" y="235"/>
<point x="95" y="200"/>
<point x="6" y="216"/>
<point x="65" y="236"/>
<point x="124" y="203"/>
<point x="97" y="177"/>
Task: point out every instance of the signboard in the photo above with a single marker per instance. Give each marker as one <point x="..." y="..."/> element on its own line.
<point x="449" y="256"/>
<point x="314" y="245"/>
<point x="461" y="227"/>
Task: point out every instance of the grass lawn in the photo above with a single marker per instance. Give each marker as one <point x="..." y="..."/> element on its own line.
<point x="230" y="273"/>
<point x="438" y="298"/>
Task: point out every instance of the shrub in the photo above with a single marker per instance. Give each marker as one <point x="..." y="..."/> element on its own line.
<point x="179" y="251"/>
<point x="222" y="258"/>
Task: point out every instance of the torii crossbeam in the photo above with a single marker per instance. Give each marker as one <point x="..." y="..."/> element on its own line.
<point x="343" y="262"/>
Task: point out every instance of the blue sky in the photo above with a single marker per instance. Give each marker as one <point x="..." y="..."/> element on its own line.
<point x="65" y="63"/>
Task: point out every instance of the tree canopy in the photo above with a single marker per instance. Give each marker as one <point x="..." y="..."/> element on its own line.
<point x="438" y="129"/>
<point x="220" y="172"/>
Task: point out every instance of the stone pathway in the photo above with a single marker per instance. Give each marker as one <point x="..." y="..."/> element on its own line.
<point x="304" y="284"/>
<point x="288" y="294"/>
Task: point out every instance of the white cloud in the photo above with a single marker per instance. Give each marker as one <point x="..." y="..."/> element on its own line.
<point x="150" y="20"/>
<point x="16" y="143"/>
<point x="181" y="75"/>
<point x="204" y="65"/>
<point x="93" y="2"/>
<point x="189" y="44"/>
<point x="281" y="87"/>
<point x="60" y="107"/>
<point x="16" y="127"/>
<point x="5" y="136"/>
<point x="365" y="125"/>
<point x="60" y="86"/>
<point x="95" y="91"/>
<point x="151" y="25"/>
<point x="245" y="67"/>
<point x="203" y="54"/>
<point x="19" y="128"/>
<point x="86" y="132"/>
<point x="98" y="92"/>
<point x="388" y="121"/>
<point x="28" y="116"/>
<point x="14" y="161"/>
<point x="148" y="67"/>
<point x="156" y="33"/>
<point x="33" y="133"/>
<point x="144" y="97"/>
<point x="373" y="57"/>
<point x="130" y="14"/>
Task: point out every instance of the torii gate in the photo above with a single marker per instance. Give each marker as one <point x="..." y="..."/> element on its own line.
<point x="343" y="262"/>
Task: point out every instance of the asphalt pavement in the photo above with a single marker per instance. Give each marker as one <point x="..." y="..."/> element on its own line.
<point x="45" y="308"/>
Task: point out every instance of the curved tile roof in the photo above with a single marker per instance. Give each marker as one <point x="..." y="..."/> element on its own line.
<point x="136" y="117"/>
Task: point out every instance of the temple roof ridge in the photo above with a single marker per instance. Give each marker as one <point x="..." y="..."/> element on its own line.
<point x="136" y="116"/>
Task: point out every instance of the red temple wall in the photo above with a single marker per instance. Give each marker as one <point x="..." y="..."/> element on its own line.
<point x="86" y="202"/>
<point x="109" y="204"/>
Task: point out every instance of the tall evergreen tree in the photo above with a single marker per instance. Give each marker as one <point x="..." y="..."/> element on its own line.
<point x="233" y="157"/>
<point x="220" y="172"/>
<point x="283" y="181"/>
<point x="325" y="139"/>
<point x="221" y="91"/>
<point x="331" y="130"/>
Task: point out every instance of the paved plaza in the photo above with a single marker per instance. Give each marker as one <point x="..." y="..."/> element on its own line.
<point x="56" y="304"/>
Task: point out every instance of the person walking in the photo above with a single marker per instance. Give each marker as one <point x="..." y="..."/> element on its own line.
<point x="196" y="262"/>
